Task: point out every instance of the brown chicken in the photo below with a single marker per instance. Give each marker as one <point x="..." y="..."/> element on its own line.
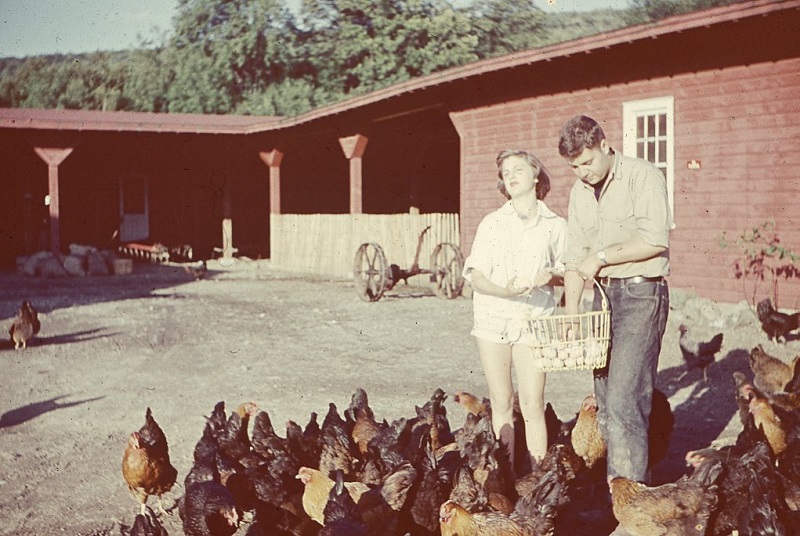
<point x="673" y="509"/>
<point x="770" y="373"/>
<point x="471" y="403"/>
<point x="744" y="392"/>
<point x="146" y="467"/>
<point x="766" y="418"/>
<point x="587" y="440"/>
<point x="25" y="326"/>
<point x="365" y="427"/>
<point x="317" y="490"/>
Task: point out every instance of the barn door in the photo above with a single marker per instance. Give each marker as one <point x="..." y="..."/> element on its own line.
<point x="133" y="208"/>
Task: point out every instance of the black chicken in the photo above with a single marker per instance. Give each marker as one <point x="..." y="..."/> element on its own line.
<point x="341" y="514"/>
<point x="147" y="524"/>
<point x="208" y="508"/>
<point x="774" y="323"/>
<point x="698" y="354"/>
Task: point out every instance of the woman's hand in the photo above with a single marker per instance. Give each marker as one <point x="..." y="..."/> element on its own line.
<point x="542" y="278"/>
<point x="515" y="289"/>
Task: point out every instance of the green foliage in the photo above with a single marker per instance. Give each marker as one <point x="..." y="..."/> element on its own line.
<point x="653" y="10"/>
<point x="257" y="57"/>
<point x="763" y="258"/>
<point x="505" y="26"/>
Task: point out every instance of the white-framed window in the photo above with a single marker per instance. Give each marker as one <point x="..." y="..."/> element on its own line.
<point x="649" y="133"/>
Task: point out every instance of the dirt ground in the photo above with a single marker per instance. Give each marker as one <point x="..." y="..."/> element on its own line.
<point x="112" y="346"/>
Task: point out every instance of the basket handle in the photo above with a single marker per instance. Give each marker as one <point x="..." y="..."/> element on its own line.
<point x="603" y="296"/>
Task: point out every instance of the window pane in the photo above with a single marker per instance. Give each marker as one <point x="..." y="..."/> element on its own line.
<point x="651" y="125"/>
<point x="662" y="150"/>
<point x="651" y="151"/>
<point x="639" y="150"/>
<point x="640" y="127"/>
<point x="662" y="124"/>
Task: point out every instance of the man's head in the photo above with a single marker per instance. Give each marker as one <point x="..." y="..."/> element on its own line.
<point x="583" y="145"/>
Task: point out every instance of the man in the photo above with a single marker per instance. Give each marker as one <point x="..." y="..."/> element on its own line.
<point x="618" y="232"/>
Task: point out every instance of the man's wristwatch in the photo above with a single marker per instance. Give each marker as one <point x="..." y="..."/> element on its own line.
<point x="602" y="256"/>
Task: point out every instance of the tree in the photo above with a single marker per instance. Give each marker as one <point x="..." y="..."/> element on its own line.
<point x="653" y="10"/>
<point x="376" y="43"/>
<point x="225" y="49"/>
<point x="505" y="26"/>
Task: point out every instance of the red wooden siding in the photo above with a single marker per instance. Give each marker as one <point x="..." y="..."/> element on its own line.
<point x="741" y="123"/>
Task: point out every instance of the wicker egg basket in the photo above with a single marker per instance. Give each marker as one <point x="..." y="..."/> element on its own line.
<point x="572" y="342"/>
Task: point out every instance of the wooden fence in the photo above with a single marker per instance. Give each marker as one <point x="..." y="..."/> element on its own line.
<point x="326" y="244"/>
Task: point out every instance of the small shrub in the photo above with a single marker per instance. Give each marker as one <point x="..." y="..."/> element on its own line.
<point x="763" y="259"/>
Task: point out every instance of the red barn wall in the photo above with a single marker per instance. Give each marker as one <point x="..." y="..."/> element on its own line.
<point x="742" y="123"/>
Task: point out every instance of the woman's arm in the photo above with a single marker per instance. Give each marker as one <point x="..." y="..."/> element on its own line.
<point x="482" y="284"/>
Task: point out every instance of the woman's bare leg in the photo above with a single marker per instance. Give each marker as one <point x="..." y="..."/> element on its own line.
<point x="496" y="363"/>
<point x="531" y="382"/>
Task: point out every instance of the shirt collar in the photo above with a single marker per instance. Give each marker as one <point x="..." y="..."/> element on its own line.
<point x="544" y="211"/>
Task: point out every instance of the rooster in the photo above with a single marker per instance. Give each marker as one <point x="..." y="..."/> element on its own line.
<point x="698" y="354"/>
<point x="776" y="325"/>
<point x="25" y="327"/>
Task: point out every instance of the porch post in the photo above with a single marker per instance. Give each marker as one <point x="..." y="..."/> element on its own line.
<point x="227" y="227"/>
<point x="273" y="159"/>
<point x="353" y="147"/>
<point x="53" y="157"/>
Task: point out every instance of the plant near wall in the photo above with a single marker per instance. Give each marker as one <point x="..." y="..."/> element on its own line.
<point x="763" y="259"/>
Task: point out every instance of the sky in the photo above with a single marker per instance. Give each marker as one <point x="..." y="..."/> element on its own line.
<point x="34" y="27"/>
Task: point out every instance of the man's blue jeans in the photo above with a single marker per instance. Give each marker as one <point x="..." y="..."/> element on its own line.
<point x="624" y="389"/>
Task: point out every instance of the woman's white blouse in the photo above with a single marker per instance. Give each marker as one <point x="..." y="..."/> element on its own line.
<point x="507" y="246"/>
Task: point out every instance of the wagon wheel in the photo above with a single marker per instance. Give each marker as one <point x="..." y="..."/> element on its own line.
<point x="447" y="265"/>
<point x="369" y="272"/>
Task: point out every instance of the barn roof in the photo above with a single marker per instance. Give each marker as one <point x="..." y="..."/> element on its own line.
<point x="84" y="120"/>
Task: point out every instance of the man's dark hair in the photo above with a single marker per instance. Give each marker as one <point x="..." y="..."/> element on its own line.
<point x="579" y="133"/>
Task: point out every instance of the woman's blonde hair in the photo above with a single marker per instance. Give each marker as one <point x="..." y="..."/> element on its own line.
<point x="539" y="171"/>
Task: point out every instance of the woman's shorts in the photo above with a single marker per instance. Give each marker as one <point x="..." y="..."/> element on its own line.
<point x="502" y="330"/>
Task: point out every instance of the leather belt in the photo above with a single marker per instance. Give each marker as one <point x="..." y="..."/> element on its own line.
<point x="623" y="281"/>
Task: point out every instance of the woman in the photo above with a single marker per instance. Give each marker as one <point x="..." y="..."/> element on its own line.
<point x="515" y="257"/>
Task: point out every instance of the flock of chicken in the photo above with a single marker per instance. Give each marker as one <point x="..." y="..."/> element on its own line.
<point x="354" y="475"/>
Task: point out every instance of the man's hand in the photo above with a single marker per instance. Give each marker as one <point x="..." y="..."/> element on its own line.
<point x="589" y="267"/>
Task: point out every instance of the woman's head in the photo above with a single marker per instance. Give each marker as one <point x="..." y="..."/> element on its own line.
<point x="520" y="162"/>
<point x="579" y="133"/>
